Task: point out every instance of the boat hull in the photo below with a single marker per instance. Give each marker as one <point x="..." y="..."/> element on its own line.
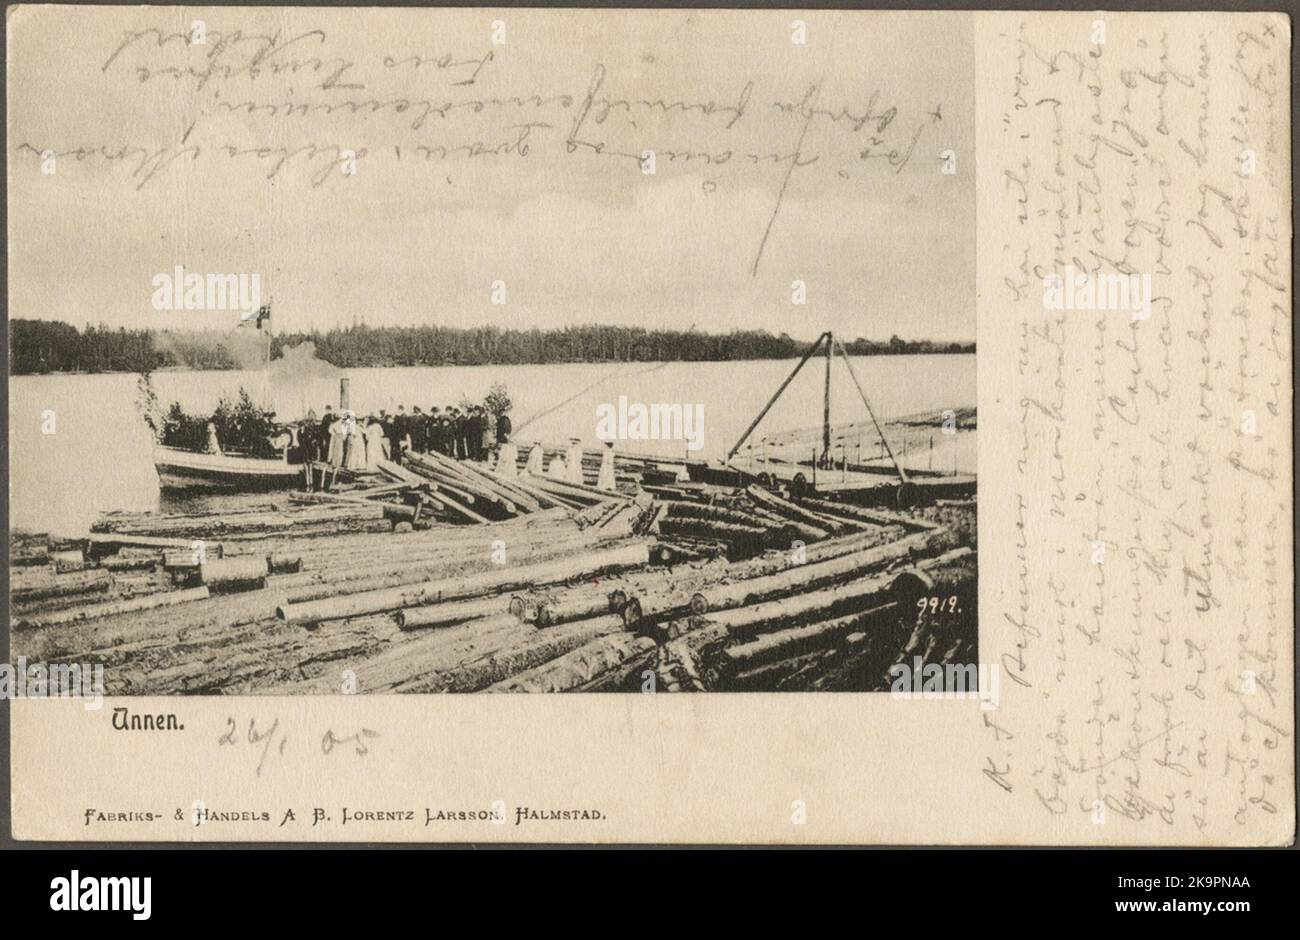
<point x="183" y="470"/>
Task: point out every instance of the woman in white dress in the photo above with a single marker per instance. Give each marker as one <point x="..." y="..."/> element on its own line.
<point x="354" y="448"/>
<point x="338" y="435"/>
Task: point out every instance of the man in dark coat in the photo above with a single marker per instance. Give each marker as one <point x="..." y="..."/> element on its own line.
<point x="437" y="431"/>
<point x="397" y="432"/>
<point x="474" y="434"/>
<point x="307" y="437"/>
<point x="323" y="434"/>
<point x="418" y="428"/>
<point x="458" y="427"/>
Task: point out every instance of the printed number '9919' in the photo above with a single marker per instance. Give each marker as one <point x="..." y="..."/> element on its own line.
<point x="936" y="605"/>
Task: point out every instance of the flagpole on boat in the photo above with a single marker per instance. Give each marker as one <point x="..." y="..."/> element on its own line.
<point x="266" y="367"/>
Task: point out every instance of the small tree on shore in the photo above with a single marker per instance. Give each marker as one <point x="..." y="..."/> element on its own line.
<point x="498" y="400"/>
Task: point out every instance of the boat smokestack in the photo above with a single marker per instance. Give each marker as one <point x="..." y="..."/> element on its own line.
<point x="344" y="397"/>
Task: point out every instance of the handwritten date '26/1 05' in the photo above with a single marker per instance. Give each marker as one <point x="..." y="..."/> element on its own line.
<point x="266" y="739"/>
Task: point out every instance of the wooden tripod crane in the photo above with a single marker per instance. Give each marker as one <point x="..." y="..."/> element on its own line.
<point x="831" y="345"/>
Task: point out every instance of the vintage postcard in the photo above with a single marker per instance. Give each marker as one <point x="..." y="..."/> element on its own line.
<point x="879" y="422"/>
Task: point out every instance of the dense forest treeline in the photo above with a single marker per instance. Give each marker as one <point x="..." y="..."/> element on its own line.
<point x="42" y="346"/>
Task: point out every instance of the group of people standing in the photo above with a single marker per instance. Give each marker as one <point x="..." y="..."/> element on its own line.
<point x="344" y="440"/>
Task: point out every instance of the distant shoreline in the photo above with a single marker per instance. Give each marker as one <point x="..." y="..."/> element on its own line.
<point x="183" y="370"/>
<point x="54" y="347"/>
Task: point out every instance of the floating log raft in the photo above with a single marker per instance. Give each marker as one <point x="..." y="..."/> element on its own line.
<point x="604" y="663"/>
<point x="438" y="575"/>
<point x="112" y="608"/>
<point x="428" y="592"/>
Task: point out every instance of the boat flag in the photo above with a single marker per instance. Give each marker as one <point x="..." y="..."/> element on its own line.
<point x="263" y="313"/>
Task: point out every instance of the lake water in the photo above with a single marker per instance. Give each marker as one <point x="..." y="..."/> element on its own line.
<point x="97" y="457"/>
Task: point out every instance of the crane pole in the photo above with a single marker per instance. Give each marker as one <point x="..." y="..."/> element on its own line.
<point x="772" y="401"/>
<point x="902" y="475"/>
<point x="826" y="403"/>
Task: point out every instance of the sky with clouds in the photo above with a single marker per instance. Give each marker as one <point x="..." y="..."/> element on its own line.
<point x="514" y="162"/>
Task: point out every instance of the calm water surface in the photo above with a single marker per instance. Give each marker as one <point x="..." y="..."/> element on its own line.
<point x="98" y="457"/>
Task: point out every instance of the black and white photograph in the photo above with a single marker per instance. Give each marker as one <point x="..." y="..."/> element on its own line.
<point x="545" y="382"/>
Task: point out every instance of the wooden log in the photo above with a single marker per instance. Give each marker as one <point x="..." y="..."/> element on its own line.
<point x="331" y="580"/>
<point x="180" y="532"/>
<point x="22" y="578"/>
<point x="798" y="641"/>
<point x="111" y="608"/>
<point x="811" y="605"/>
<point x="792" y="528"/>
<point x="390" y="508"/>
<point x="627" y="511"/>
<point x="680" y="509"/>
<point x="439" y="615"/>
<point x="862" y="666"/>
<point x="443" y="482"/>
<point x="580" y="491"/>
<point x="574" y="607"/>
<point x="30" y="555"/>
<point x="645" y="608"/>
<point x="798" y="513"/>
<point x="180" y="558"/>
<point x="234" y="574"/>
<point x="742" y="540"/>
<point x="445" y="541"/>
<point x="952" y="570"/>
<point x="398" y="472"/>
<point x="269" y="518"/>
<point x="64" y="585"/>
<point x="864" y="514"/>
<point x="68" y="560"/>
<point x="372" y="492"/>
<point x="691" y="649"/>
<point x="480" y="486"/>
<point x="444" y="486"/>
<point x="482" y="476"/>
<point x="783" y="674"/>
<point x="427" y="502"/>
<point x="940" y="592"/>
<point x="130" y="562"/>
<point x="351" y="574"/>
<point x="283" y="564"/>
<point x="452" y="503"/>
<point x="130" y="552"/>
<point x="528" y="485"/>
<point x="496" y="665"/>
<point x="807" y="576"/>
<point x="541" y="497"/>
<point x="132" y="585"/>
<point x="603" y="662"/>
<point x="420" y="654"/>
<point x="107" y="542"/>
<point x="428" y="592"/>
<point x="425" y="561"/>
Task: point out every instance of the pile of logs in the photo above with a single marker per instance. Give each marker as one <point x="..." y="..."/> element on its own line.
<point x="558" y="586"/>
<point x="739" y="524"/>
<point x="111" y="574"/>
